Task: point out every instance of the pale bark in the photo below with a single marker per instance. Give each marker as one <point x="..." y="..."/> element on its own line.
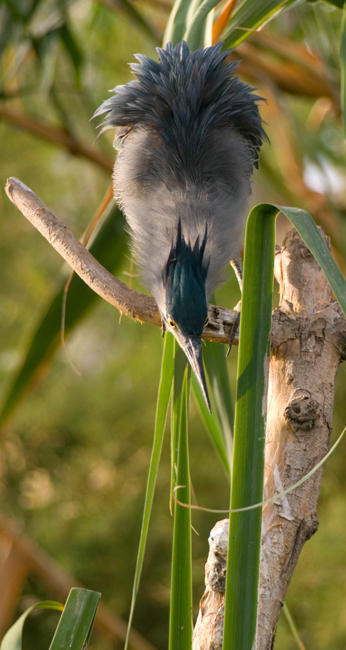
<point x="308" y="342"/>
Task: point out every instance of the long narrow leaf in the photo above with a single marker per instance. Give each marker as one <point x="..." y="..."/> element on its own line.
<point x="76" y="621"/>
<point x="180" y="620"/>
<point x="249" y="431"/>
<point x="293" y="627"/>
<point x="164" y="392"/>
<point x="212" y="425"/>
<point x="312" y="238"/>
<point x="197" y="28"/>
<point x="216" y="366"/>
<point x="249" y="17"/>
<point x="179" y="367"/>
<point x="109" y="248"/>
<point x="176" y="24"/>
<point x="343" y="66"/>
<point x="14" y="636"/>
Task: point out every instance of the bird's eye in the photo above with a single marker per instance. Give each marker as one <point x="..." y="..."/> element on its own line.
<point x="171" y="322"/>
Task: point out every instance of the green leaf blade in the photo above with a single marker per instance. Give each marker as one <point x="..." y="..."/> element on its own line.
<point x="76" y="621"/>
<point x="212" y="425"/>
<point x="180" y="620"/>
<point x="14" y="636"/>
<point x="305" y="225"/>
<point x="176" y="24"/>
<point x="343" y="66"/>
<point x="217" y="371"/>
<point x="164" y="392"/>
<point x="249" y="17"/>
<point x="249" y="431"/>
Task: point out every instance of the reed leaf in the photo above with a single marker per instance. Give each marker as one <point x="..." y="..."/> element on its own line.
<point x="212" y="425"/>
<point x="164" y="393"/>
<point x="249" y="17"/>
<point x="249" y="431"/>
<point x="13" y="638"/>
<point x="343" y="66"/>
<point x="76" y="621"/>
<point x="305" y="225"/>
<point x="180" y="619"/>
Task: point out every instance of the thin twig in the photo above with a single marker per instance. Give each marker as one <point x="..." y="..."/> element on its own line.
<point x="129" y="302"/>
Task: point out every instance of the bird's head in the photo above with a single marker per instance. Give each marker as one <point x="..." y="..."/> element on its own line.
<point x="183" y="303"/>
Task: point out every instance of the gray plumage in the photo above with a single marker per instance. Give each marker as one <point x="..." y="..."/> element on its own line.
<point x="189" y="139"/>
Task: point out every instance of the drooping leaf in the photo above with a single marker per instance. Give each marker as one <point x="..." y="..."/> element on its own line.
<point x="14" y="636"/>
<point x="304" y="223"/>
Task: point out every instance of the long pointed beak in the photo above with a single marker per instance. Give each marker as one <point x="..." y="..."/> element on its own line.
<point x="193" y="350"/>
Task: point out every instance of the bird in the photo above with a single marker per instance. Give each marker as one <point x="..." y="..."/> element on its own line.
<point x="188" y="139"/>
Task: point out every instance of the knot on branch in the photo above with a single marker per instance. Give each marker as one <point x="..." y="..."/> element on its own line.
<point x="302" y="411"/>
<point x="215" y="568"/>
<point x="208" y="630"/>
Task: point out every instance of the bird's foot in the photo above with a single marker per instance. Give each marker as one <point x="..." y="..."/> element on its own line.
<point x="235" y="328"/>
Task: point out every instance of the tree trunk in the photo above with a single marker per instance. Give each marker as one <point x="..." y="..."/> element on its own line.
<point x="308" y="342"/>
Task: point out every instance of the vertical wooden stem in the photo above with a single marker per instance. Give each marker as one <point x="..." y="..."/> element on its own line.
<point x="308" y="343"/>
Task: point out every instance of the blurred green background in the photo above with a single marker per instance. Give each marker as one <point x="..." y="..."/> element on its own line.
<point x="75" y="451"/>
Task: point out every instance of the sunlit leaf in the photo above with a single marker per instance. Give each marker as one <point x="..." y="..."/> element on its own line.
<point x="249" y="17"/>
<point x="14" y="636"/>
<point x="176" y="25"/>
<point x="197" y="28"/>
<point x="249" y="430"/>
<point x="76" y="621"/>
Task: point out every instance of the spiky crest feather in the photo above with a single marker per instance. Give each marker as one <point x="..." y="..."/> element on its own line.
<point x="183" y="96"/>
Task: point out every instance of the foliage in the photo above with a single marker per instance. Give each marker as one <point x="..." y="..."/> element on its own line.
<point x="74" y="627"/>
<point x="74" y="459"/>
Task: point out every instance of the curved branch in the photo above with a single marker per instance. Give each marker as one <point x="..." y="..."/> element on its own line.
<point x="129" y="302"/>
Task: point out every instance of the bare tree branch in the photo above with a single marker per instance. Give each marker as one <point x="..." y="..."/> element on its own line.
<point x="129" y="302"/>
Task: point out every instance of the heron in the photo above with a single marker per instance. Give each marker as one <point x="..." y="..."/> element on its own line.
<point x="188" y="138"/>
